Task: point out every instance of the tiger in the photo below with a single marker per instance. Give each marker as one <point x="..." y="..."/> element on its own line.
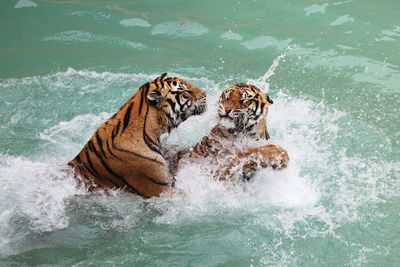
<point x="242" y="111"/>
<point x="125" y="153"/>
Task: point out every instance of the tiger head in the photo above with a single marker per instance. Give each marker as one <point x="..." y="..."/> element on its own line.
<point x="243" y="108"/>
<point x="176" y="98"/>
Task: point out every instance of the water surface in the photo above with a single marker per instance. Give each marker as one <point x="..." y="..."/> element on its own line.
<point x="331" y="67"/>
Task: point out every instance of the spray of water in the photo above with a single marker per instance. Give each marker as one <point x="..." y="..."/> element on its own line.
<point x="323" y="186"/>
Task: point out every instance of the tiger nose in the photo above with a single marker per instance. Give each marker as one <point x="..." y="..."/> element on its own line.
<point x="227" y="109"/>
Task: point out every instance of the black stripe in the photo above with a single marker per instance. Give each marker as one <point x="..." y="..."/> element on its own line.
<point x="178" y="100"/>
<point x="266" y="134"/>
<point x="109" y="150"/>
<point x="155" y="181"/>
<point x="155" y="82"/>
<point x="170" y="118"/>
<point x="269" y="100"/>
<point x="146" y="136"/>
<point x="80" y="166"/>
<point x="262" y="106"/>
<point x="144" y="128"/>
<point x="172" y="103"/>
<point x="106" y="166"/>
<point x="257" y="105"/>
<point x="84" y="173"/>
<point x="100" y="143"/>
<point x="115" y="174"/>
<point x="117" y="128"/>
<point x="145" y="89"/>
<point x="250" y="127"/>
<point x="113" y="134"/>
<point x="78" y="159"/>
<point x="127" y="116"/>
<point x="149" y="142"/>
<point x="137" y="155"/>
<point x="95" y="174"/>
<point x="90" y="145"/>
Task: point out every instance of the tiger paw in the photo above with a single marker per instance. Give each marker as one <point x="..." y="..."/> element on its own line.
<point x="274" y="156"/>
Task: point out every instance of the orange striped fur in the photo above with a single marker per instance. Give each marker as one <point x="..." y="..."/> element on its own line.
<point x="125" y="150"/>
<point x="242" y="110"/>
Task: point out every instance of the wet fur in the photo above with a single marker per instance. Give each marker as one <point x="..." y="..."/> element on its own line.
<point x="125" y="151"/>
<point x="243" y="110"/>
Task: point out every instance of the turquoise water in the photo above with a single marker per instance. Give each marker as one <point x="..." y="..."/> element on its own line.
<point x="331" y="67"/>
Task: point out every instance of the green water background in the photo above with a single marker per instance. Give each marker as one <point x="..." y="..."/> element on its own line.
<point x="65" y="66"/>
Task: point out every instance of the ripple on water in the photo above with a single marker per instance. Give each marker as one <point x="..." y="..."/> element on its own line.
<point x="230" y="35"/>
<point x="323" y="188"/>
<point x="365" y="70"/>
<point x="315" y="8"/>
<point x="342" y="20"/>
<point x="75" y="36"/>
<point x="266" y="41"/>
<point x="135" y="22"/>
<point x="25" y="3"/>
<point x="178" y="29"/>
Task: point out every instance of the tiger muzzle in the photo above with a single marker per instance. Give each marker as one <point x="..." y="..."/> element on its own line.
<point x="200" y="106"/>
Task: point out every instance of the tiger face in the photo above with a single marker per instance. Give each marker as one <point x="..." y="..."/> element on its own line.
<point x="177" y="98"/>
<point x="243" y="108"/>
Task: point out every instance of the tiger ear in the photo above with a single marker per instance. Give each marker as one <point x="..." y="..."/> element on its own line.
<point x="269" y="99"/>
<point x="155" y="97"/>
<point x="163" y="76"/>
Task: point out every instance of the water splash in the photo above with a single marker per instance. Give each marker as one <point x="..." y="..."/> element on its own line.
<point x="325" y="186"/>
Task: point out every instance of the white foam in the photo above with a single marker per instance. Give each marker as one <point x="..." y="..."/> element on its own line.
<point x="318" y="173"/>
<point x="177" y="29"/>
<point x="25" y="3"/>
<point x="342" y="20"/>
<point x="95" y="15"/>
<point x="345" y="47"/>
<point x="33" y="194"/>
<point x="323" y="183"/>
<point x="87" y="37"/>
<point x="135" y="22"/>
<point x="230" y="35"/>
<point x="72" y="74"/>
<point x="315" y="8"/>
<point x="389" y="35"/>
<point x="68" y="137"/>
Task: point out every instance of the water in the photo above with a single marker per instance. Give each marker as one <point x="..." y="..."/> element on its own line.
<point x="332" y="69"/>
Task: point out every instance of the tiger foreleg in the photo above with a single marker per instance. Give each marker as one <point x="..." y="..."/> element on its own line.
<point x="265" y="156"/>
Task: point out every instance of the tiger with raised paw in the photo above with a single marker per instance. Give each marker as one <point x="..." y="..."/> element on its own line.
<point x="242" y="111"/>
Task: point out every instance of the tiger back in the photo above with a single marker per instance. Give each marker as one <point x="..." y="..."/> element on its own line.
<point x="242" y="111"/>
<point x="125" y="152"/>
